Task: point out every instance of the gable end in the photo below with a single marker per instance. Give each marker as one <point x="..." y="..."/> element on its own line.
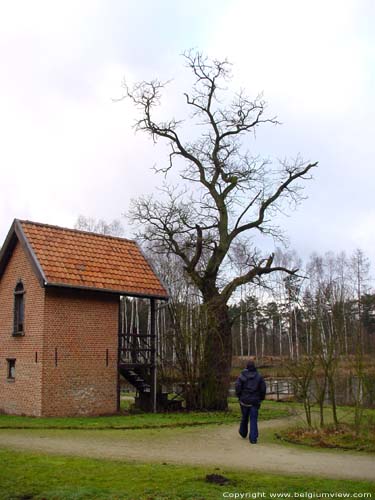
<point x="16" y="234"/>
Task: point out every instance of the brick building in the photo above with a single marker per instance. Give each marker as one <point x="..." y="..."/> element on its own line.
<point x="60" y="289"/>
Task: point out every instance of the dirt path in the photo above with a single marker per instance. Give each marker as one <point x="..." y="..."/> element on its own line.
<point x="219" y="446"/>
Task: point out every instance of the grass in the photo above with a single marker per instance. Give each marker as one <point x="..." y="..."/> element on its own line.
<point x="329" y="437"/>
<point x="38" y="476"/>
<point x="344" y="437"/>
<point x="270" y="410"/>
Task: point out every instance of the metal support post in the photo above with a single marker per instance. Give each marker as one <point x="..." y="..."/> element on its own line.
<point x="153" y="357"/>
<point x="119" y="333"/>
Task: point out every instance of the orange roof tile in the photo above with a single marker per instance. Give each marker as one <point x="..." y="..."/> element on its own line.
<point x="80" y="259"/>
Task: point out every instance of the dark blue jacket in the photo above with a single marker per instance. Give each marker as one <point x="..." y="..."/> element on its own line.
<point x="250" y="387"/>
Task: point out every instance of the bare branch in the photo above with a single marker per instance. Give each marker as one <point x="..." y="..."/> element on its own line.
<point x="262" y="268"/>
<point x="233" y="192"/>
<point x="293" y="174"/>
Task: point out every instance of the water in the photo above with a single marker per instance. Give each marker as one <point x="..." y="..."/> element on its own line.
<point x="346" y="388"/>
<point x="280" y="389"/>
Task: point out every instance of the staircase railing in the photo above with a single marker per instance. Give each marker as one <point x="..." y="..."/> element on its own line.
<point x="135" y="348"/>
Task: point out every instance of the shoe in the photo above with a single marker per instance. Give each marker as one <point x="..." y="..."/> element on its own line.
<point x="244" y="437"/>
<point x="253" y="442"/>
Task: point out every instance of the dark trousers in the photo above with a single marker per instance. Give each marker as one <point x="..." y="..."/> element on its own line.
<point x="249" y="412"/>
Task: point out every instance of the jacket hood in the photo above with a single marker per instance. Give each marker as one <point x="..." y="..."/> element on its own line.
<point x="251" y="366"/>
<point x="249" y="373"/>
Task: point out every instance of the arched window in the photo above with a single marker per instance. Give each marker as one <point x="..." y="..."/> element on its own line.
<point x="19" y="309"/>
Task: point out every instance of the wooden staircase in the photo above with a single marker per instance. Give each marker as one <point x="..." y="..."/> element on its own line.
<point x="135" y="376"/>
<point x="136" y="366"/>
<point x="138" y="362"/>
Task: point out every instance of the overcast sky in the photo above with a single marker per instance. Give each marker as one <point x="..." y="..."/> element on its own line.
<point x="68" y="149"/>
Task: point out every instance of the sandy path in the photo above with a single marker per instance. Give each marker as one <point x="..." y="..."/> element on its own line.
<point x="219" y="446"/>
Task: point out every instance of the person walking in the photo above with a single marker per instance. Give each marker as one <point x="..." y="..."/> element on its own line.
<point x="251" y="391"/>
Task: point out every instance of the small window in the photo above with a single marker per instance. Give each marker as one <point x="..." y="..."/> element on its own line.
<point x="19" y="309"/>
<point x="11" y="369"/>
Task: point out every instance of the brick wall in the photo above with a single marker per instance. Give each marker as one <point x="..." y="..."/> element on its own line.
<point x="23" y="395"/>
<point x="80" y="353"/>
<point x="66" y="363"/>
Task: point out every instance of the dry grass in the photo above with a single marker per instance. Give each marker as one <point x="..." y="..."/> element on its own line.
<point x="345" y="437"/>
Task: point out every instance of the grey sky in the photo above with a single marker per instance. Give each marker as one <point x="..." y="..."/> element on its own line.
<point x="67" y="149"/>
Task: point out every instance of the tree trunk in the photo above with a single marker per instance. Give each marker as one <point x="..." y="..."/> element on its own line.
<point x="296" y="332"/>
<point x="241" y="326"/>
<point x="307" y="407"/>
<point x="332" y="396"/>
<point x="217" y="358"/>
<point x="248" y="332"/>
<point x="321" y="387"/>
<point x="262" y="343"/>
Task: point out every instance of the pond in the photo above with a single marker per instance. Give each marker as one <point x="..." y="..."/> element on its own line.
<point x="346" y="389"/>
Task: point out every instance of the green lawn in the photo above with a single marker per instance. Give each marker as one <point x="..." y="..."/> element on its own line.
<point x="37" y="476"/>
<point x="25" y="475"/>
<point x="269" y="411"/>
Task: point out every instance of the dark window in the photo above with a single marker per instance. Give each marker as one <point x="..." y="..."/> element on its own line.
<point x="11" y="369"/>
<point x="19" y="309"/>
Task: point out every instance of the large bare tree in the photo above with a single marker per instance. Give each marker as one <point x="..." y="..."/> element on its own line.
<point x="224" y="197"/>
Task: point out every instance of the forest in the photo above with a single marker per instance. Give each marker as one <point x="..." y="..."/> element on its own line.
<point x="330" y="301"/>
<point x="318" y="324"/>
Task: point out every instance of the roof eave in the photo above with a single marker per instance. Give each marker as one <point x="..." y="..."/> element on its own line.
<point x="108" y="290"/>
<point x="162" y="283"/>
<point x="7" y="248"/>
<point x="30" y="253"/>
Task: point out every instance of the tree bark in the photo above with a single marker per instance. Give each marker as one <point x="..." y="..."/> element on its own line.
<point x="216" y="366"/>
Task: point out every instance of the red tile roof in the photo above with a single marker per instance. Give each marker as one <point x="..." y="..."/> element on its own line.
<point x="88" y="260"/>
